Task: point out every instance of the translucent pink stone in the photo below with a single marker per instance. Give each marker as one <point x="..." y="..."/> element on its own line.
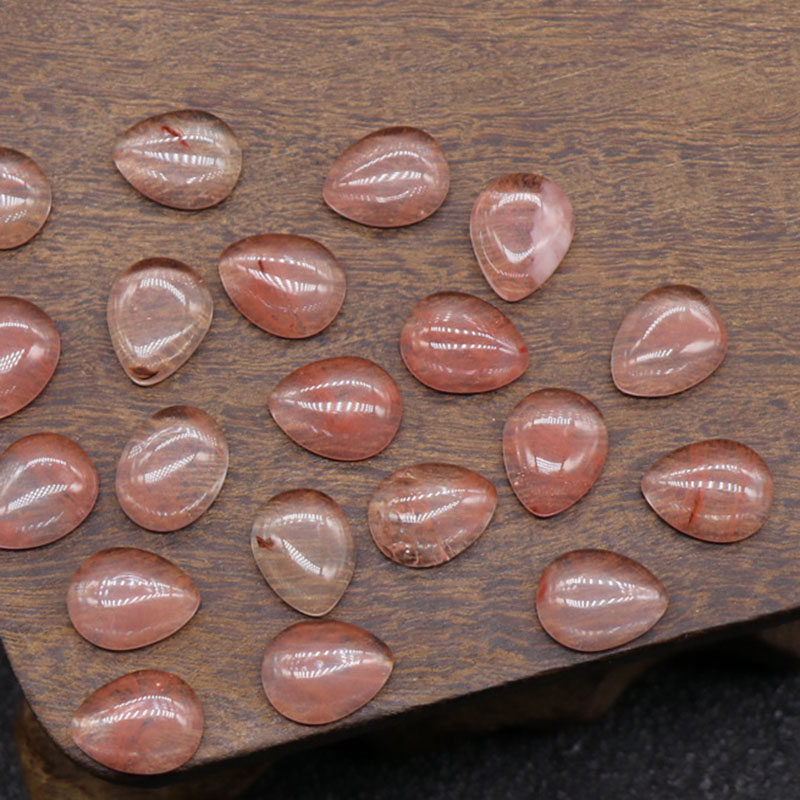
<point x="159" y="311"/>
<point x="144" y="723"/>
<point x="25" y="198"/>
<point x="172" y="468"/>
<point x="29" y="351"/>
<point x="456" y="342"/>
<point x="48" y="486"/>
<point x="184" y="159"/>
<point x="521" y="229"/>
<point x="392" y="177"/>
<point x="318" y="672"/>
<point x="288" y="285"/>
<point x="123" y="598"/>
<point x="593" y="600"/>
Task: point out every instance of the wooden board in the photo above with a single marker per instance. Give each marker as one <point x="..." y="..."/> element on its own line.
<point x="675" y="132"/>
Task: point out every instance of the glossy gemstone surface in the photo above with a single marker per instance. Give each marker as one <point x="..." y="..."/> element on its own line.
<point x="303" y="545"/>
<point x="318" y="672"/>
<point x="25" y="198"/>
<point x="143" y="723"/>
<point x="288" y="285"/>
<point x="427" y="514"/>
<point x="554" y="445"/>
<point x="172" y="468"/>
<point x="123" y="598"/>
<point x="29" y="351"/>
<point x="671" y="340"/>
<point x="345" y="408"/>
<point x="184" y="159"/>
<point x="455" y="342"/>
<point x="48" y="486"/>
<point x="521" y="228"/>
<point x="718" y="490"/>
<point x="592" y="600"/>
<point x="159" y="311"/>
<point x="391" y="177"/>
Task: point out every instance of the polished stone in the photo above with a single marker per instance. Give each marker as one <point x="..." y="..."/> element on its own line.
<point x="123" y="598"/>
<point x="718" y="490"/>
<point x="318" y="672"/>
<point x="29" y="351"/>
<point x="427" y="514"/>
<point x="303" y="545"/>
<point x="554" y="446"/>
<point x="288" y="285"/>
<point x="25" y="198"/>
<point x="455" y="342"/>
<point x="391" y="177"/>
<point x="184" y="159"/>
<point x="671" y="340"/>
<point x="521" y="228"/>
<point x="172" y="468"/>
<point x="143" y="723"/>
<point x="159" y="311"/>
<point x="48" y="486"/>
<point x="592" y="600"/>
<point x="344" y="408"/>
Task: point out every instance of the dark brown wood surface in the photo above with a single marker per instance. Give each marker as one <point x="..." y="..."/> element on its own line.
<point x="674" y="129"/>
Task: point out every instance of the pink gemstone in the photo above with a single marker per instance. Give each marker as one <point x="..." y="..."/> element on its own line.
<point x="48" y="486"/>
<point x="456" y="342"/>
<point x="159" y="311"/>
<point x="521" y="228"/>
<point x="172" y="468"/>
<point x="144" y="723"/>
<point x="184" y="159"/>
<point x="124" y="598"/>
<point x="25" y="198"/>
<point x="717" y="490"/>
<point x="288" y="285"/>
<point x="554" y="446"/>
<point x="671" y="340"/>
<point x="303" y="545"/>
<point x="318" y="672"/>
<point x="392" y="177"/>
<point x="344" y="408"/>
<point x="427" y="514"/>
<point x="592" y="600"/>
<point x="29" y="351"/>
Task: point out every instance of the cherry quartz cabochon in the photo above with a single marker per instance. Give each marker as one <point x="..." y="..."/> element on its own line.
<point x="392" y="177"/>
<point x="144" y="723"/>
<point x="555" y="443"/>
<point x="48" y="486"/>
<point x="185" y="159"/>
<point x="303" y="545"/>
<point x="159" y="310"/>
<point x="123" y="598"/>
<point x="591" y="600"/>
<point x="425" y="515"/>
<point x="344" y="408"/>
<point x="671" y="340"/>
<point x="29" y="351"/>
<point x="521" y="228"/>
<point x="25" y="198"/>
<point x="717" y="490"/>
<point x="172" y="468"/>
<point x="317" y="672"/>
<point x="288" y="285"/>
<point x="456" y="342"/>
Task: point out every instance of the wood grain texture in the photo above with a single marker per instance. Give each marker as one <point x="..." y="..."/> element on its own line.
<point x="674" y="130"/>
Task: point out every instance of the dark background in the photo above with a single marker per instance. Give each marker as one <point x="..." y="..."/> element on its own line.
<point x="704" y="726"/>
